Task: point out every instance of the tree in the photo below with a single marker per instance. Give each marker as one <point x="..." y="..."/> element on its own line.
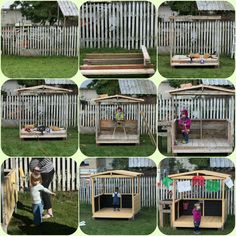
<point x="176" y="83"/>
<point x="120" y="163"/>
<point x="184" y="7"/>
<point x="110" y="87"/>
<point x="38" y="11"/>
<point x="29" y="83"/>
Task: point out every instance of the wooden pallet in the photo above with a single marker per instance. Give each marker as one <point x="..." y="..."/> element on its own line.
<point x="118" y="64"/>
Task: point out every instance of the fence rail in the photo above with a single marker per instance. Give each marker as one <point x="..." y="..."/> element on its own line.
<point x="165" y="194"/>
<point x="118" y="24"/>
<point x="198" y="36"/>
<point x="40" y="41"/>
<point x="88" y="111"/>
<point x="208" y="108"/>
<point x="66" y="176"/>
<point x="148" y="189"/>
<point x="50" y="109"/>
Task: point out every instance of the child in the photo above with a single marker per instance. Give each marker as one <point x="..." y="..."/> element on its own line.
<point x="116" y="199"/>
<point x="184" y="125"/>
<point x="120" y="116"/>
<point x="36" y="188"/>
<point x="196" y="217"/>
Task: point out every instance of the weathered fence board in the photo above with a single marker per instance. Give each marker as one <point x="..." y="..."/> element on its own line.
<point x="66" y="177"/>
<point x="118" y="24"/>
<point x="165" y="194"/>
<point x="87" y="114"/>
<point x="40" y="41"/>
<point x="148" y="189"/>
<point x="212" y="108"/>
<point x="49" y="110"/>
<point x="198" y="36"/>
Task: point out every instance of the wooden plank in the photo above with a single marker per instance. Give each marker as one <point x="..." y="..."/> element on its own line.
<point x="111" y="61"/>
<point x="111" y="67"/>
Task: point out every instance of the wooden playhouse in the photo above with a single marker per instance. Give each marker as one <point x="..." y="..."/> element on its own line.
<point x="214" y="135"/>
<point x="103" y="185"/>
<point x="117" y="64"/>
<point x="37" y="104"/>
<point x="213" y="203"/>
<point x="106" y="130"/>
<point x="195" y="41"/>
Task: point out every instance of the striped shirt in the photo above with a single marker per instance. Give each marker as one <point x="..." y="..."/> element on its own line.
<point x="45" y="164"/>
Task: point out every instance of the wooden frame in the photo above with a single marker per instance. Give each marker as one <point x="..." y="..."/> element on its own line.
<point x="101" y="210"/>
<point x="118" y="64"/>
<point x="207" y="221"/>
<point x="105" y="129"/>
<point x="200" y="60"/>
<point x="41" y="91"/>
<point x="204" y="133"/>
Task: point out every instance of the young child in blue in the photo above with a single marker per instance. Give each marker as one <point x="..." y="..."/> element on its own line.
<point x="35" y="190"/>
<point x="116" y="199"/>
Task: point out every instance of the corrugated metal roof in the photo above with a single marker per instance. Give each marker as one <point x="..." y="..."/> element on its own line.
<point x="132" y="87"/>
<point x="222" y="82"/>
<point x="58" y="81"/>
<point x="221" y="163"/>
<point x="68" y="8"/>
<point x="85" y="84"/>
<point x="214" y="6"/>
<point x="7" y="4"/>
<point x="141" y="162"/>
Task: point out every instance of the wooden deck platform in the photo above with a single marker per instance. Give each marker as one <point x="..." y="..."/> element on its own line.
<point x="125" y="213"/>
<point x="118" y="138"/>
<point x="213" y="145"/>
<point x="37" y="135"/>
<point x="206" y="222"/>
<point x="183" y="60"/>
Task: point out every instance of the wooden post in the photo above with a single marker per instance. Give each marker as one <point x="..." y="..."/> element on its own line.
<point x="138" y="121"/>
<point x="173" y="203"/>
<point x="19" y="107"/>
<point x="169" y="138"/>
<point x="93" y="207"/>
<point x="223" y="202"/>
<point x="133" y="196"/>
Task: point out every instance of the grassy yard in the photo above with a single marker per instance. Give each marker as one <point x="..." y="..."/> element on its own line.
<point x="88" y="147"/>
<point x="64" y="222"/>
<point x="226" y="69"/>
<point x="84" y="51"/>
<point x="13" y="146"/>
<point x="144" y="223"/>
<point x="39" y="67"/>
<point x="229" y="226"/>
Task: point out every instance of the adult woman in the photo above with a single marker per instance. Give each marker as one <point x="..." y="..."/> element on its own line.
<point x="47" y="171"/>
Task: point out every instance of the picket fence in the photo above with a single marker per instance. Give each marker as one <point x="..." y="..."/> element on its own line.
<point x="212" y="108"/>
<point x="165" y="194"/>
<point x="40" y="41"/>
<point x="118" y="24"/>
<point x="34" y="109"/>
<point x="66" y="177"/>
<point x="148" y="189"/>
<point x="88" y="111"/>
<point x="198" y="37"/>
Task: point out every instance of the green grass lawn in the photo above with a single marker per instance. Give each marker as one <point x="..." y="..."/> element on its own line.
<point x="88" y="147"/>
<point x="144" y="223"/>
<point x="152" y="53"/>
<point x="39" y="67"/>
<point x="226" y="69"/>
<point x="13" y="146"/>
<point x="64" y="222"/>
<point x="229" y="226"/>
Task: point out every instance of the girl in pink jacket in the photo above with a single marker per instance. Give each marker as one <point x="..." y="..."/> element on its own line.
<point x="184" y="124"/>
<point x="196" y="217"/>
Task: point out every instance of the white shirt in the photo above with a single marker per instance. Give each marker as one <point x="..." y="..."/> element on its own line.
<point x="35" y="193"/>
<point x="113" y="194"/>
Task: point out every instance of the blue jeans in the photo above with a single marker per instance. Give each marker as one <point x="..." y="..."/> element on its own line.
<point x="196" y="225"/>
<point x="38" y="212"/>
<point x="185" y="136"/>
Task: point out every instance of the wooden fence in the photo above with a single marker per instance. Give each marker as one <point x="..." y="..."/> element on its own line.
<point x="212" y="108"/>
<point x="165" y="194"/>
<point x="66" y="176"/>
<point x="88" y="111"/>
<point x="40" y="41"/>
<point x="34" y="109"/>
<point x="148" y="189"/>
<point x="118" y="24"/>
<point x="198" y="36"/>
